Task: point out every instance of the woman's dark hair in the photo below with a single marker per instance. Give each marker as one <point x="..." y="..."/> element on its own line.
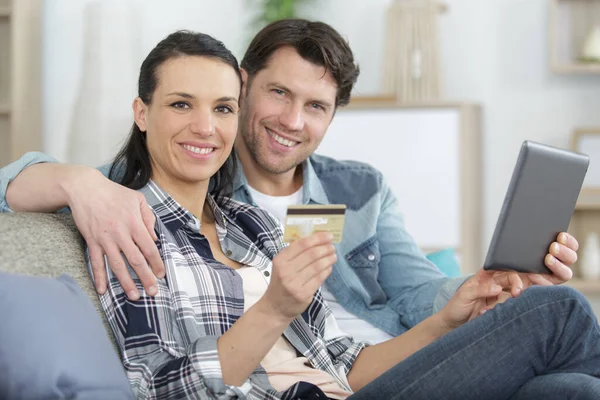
<point x="131" y="167"/>
<point x="316" y="42"/>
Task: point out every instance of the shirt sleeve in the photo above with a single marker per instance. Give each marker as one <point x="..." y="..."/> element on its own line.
<point x="159" y="362"/>
<point x="10" y="172"/>
<point x="341" y="347"/>
<point x="415" y="287"/>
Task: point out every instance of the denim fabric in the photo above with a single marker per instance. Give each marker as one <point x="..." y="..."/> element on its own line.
<point x="9" y="172"/>
<point x="381" y="275"/>
<point x="560" y="386"/>
<point x="543" y="345"/>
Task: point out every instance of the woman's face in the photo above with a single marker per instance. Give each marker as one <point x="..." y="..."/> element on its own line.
<point x="192" y="120"/>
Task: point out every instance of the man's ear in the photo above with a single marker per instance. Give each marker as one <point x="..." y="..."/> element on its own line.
<point x="139" y="113"/>
<point x="244" y="82"/>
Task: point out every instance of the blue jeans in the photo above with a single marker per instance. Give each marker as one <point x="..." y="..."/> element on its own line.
<point x="543" y="345"/>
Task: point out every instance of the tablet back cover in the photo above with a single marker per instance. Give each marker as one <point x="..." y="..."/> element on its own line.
<point x="538" y="205"/>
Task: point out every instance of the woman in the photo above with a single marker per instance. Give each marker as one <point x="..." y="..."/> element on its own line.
<point x="239" y="315"/>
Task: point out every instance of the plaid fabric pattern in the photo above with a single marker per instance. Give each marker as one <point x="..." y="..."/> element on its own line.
<point x="169" y="342"/>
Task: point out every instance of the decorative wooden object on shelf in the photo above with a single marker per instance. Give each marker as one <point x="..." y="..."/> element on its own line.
<point x="572" y="23"/>
<point x="412" y="69"/>
<point x="20" y="78"/>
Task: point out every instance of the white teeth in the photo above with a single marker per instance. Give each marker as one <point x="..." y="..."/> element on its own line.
<point x="198" y="150"/>
<point x="281" y="140"/>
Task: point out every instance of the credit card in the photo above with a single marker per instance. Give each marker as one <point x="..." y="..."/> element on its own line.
<point x="304" y="220"/>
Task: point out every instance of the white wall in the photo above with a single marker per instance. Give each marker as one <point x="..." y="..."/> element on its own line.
<point x="91" y="84"/>
<point x="494" y="52"/>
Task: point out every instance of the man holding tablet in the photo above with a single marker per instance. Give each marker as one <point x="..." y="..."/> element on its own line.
<point x="550" y="179"/>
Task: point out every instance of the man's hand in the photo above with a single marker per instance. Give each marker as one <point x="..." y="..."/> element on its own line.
<point x="562" y="254"/>
<point x="486" y="289"/>
<point x="113" y="220"/>
<point x="297" y="273"/>
<point x="478" y="294"/>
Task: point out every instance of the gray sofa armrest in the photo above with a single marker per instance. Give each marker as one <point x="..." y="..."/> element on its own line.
<point x="49" y="245"/>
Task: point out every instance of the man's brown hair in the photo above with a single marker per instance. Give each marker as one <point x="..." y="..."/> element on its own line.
<point x="316" y="42"/>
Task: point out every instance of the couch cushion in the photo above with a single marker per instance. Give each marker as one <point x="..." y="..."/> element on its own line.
<point x="43" y="244"/>
<point x="52" y="344"/>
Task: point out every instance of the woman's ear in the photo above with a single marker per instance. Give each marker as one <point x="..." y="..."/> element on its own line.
<point x="139" y="113"/>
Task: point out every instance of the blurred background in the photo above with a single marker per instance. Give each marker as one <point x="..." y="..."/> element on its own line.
<point x="454" y="86"/>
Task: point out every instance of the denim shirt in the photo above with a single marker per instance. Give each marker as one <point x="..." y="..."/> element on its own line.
<point x="381" y="275"/>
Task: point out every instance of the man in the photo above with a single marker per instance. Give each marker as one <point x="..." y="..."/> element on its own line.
<point x="296" y="73"/>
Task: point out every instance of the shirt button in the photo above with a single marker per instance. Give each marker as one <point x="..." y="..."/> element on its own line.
<point x="228" y="253"/>
<point x="371" y="257"/>
<point x="267" y="274"/>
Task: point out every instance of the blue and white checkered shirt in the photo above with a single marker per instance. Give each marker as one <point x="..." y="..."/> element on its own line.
<point x="169" y="341"/>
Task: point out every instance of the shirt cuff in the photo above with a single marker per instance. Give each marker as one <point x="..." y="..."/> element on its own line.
<point x="10" y="172"/>
<point x="204" y="356"/>
<point x="447" y="290"/>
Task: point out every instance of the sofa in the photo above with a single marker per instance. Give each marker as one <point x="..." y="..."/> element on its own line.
<point x="55" y="341"/>
<point x="47" y="245"/>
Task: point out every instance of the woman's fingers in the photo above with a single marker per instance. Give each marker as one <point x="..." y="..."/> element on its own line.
<point x="299" y="247"/>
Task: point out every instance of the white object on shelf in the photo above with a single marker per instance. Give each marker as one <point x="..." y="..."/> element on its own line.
<point x="590" y="258"/>
<point x="591" y="46"/>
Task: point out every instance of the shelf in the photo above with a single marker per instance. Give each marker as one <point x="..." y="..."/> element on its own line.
<point x="5" y="11"/>
<point x="387" y="101"/>
<point x="589" y="199"/>
<point x="585" y="286"/>
<point x="578" y="68"/>
<point x="571" y="22"/>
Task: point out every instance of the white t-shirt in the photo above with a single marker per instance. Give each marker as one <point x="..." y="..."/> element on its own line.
<point x="359" y="329"/>
<point x="276" y="205"/>
<point x="282" y="363"/>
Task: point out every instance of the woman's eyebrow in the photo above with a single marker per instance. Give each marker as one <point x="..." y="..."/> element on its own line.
<point x="228" y="98"/>
<point x="182" y="94"/>
<point x="191" y="97"/>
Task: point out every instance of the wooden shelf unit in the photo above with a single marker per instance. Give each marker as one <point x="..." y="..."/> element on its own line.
<point x="20" y="78"/>
<point x="5" y="11"/>
<point x="586" y="219"/>
<point x="589" y="199"/>
<point x="585" y="286"/>
<point x="5" y="80"/>
<point x="577" y="68"/>
<point x="570" y="22"/>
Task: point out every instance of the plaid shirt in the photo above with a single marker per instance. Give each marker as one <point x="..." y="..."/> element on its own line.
<point x="169" y="342"/>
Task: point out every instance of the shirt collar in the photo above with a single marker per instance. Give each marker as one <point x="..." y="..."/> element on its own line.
<point x="312" y="188"/>
<point x="171" y="213"/>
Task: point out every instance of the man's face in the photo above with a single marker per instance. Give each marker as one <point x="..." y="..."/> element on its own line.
<point x="285" y="111"/>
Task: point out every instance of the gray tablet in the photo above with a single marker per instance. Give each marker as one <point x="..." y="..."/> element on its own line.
<point x="538" y="205"/>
